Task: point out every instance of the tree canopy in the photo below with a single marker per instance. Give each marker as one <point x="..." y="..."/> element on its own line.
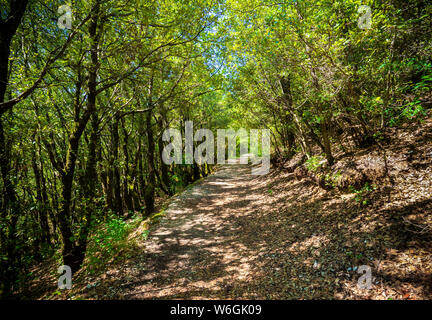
<point x="83" y="109"/>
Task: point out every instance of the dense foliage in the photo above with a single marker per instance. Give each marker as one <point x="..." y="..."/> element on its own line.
<point x="82" y="110"/>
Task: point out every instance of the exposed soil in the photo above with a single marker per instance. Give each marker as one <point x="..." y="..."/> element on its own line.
<point x="238" y="236"/>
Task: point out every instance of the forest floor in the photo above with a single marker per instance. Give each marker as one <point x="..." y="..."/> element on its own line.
<point x="234" y="235"/>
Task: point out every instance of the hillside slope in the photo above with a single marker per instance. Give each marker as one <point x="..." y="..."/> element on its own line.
<point x="282" y="236"/>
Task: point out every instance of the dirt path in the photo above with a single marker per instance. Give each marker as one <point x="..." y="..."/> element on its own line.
<point x="238" y="236"/>
<point x="196" y="250"/>
<point x="233" y="235"/>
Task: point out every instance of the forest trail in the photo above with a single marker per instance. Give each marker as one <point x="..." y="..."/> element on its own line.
<point x="198" y="249"/>
<point x="234" y="235"/>
<point x="92" y="94"/>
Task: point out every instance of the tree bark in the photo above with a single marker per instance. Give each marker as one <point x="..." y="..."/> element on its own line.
<point x="8" y="270"/>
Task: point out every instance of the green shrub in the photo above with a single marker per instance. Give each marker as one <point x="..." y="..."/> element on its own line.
<point x="332" y="179"/>
<point x="363" y="193"/>
<point x="313" y="163"/>
<point x="107" y="240"/>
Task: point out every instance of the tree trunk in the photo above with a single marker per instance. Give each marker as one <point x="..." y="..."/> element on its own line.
<point x="326" y="141"/>
<point x="74" y="249"/>
<point x="149" y="193"/>
<point x="127" y="193"/>
<point x="8" y="271"/>
<point x="42" y="205"/>
<point x="163" y="167"/>
<point x="117" y="200"/>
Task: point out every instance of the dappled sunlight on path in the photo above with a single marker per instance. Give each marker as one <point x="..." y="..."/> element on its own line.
<point x="234" y="235"/>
